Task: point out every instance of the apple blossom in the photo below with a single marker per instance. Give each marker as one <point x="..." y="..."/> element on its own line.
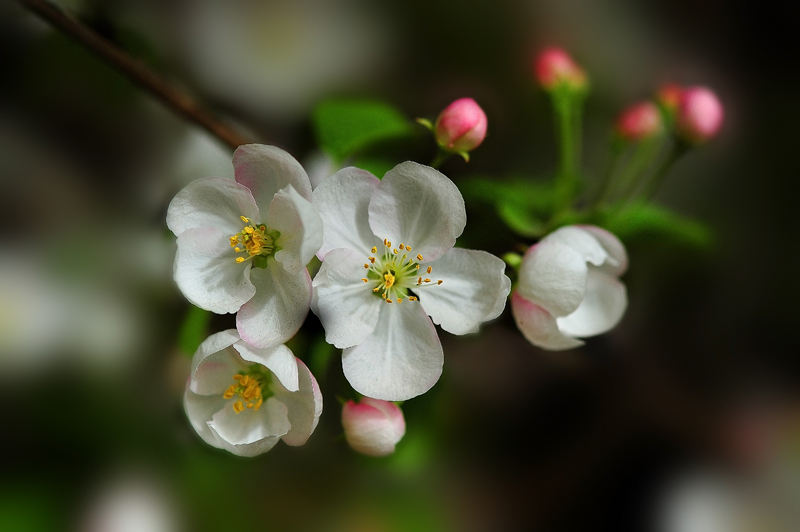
<point x="243" y="244"/>
<point x="373" y="427"/>
<point x="388" y="264"/>
<point x="244" y="399"/>
<point x="569" y="287"/>
<point x="700" y="115"/>
<point x="461" y="127"/>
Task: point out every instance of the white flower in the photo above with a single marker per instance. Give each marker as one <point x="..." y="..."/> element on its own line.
<point x="243" y="244"/>
<point x="388" y="264"/>
<point x="568" y="287"/>
<point x="244" y="399"/>
<point x="373" y="427"/>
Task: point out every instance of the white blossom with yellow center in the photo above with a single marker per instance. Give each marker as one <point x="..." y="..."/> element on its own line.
<point x="389" y="264"/>
<point x="245" y="399"/>
<point x="243" y="244"/>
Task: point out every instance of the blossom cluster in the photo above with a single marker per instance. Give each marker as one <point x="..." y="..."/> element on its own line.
<point x="389" y="270"/>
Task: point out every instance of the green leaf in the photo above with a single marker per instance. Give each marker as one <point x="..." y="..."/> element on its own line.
<point x="194" y="329"/>
<point x="343" y="127"/>
<point x="647" y="222"/>
<point x="375" y="165"/>
<point x="522" y="203"/>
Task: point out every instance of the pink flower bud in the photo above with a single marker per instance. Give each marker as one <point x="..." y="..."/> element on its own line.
<point x="461" y="127"/>
<point x="639" y="121"/>
<point x="554" y="66"/>
<point x="700" y="115"/>
<point x="669" y="96"/>
<point x="373" y="427"/>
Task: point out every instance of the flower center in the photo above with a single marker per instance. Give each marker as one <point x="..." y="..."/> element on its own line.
<point x="254" y="240"/>
<point x="395" y="275"/>
<point x="248" y="387"/>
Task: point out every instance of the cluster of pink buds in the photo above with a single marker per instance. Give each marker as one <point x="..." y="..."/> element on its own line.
<point x="696" y="113"/>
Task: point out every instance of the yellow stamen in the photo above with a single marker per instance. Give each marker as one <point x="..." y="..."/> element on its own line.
<point x="419" y="257"/>
<point x="244" y="219"/>
<point x="439" y="281"/>
<point x="419" y="281"/>
<point x="238" y="406"/>
<point x="395" y="251"/>
<point x="372" y="260"/>
<point x="366" y="266"/>
<point x="408" y="248"/>
<point x="389" y="280"/>
<point x="416" y="266"/>
<point x="399" y="299"/>
<point x="376" y="288"/>
<point x="388" y="300"/>
<point x="412" y="298"/>
<point x="402" y="245"/>
<point x="365" y="280"/>
<point x="239" y="260"/>
<point x="429" y="269"/>
<point x="373" y="250"/>
<point x="427" y="280"/>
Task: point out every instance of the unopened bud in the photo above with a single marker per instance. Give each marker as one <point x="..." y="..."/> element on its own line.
<point x="373" y="427"/>
<point x="639" y="121"/>
<point x="555" y="67"/>
<point x="699" y="116"/>
<point x="669" y="97"/>
<point x="461" y="127"/>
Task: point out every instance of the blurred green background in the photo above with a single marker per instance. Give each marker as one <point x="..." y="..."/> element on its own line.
<point x="701" y="375"/>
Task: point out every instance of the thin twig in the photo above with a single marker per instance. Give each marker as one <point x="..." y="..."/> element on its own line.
<point x="136" y="71"/>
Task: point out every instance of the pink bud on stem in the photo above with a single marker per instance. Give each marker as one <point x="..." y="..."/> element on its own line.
<point x="639" y="121"/>
<point x="373" y="427"/>
<point x="668" y="97"/>
<point x="461" y="127"/>
<point x="699" y="116"/>
<point x="554" y="68"/>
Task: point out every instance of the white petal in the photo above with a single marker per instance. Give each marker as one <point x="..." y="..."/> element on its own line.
<point x="214" y="344"/>
<point x="581" y="241"/>
<point x="211" y="202"/>
<point x="401" y="359"/>
<point x="304" y="407"/>
<point x="347" y="308"/>
<point x="603" y="306"/>
<point x="300" y="227"/>
<point x="343" y="203"/>
<point x="199" y="410"/>
<point x="215" y="373"/>
<point x="265" y="170"/>
<point x="474" y="289"/>
<point x="207" y="273"/>
<point x="279" y="307"/>
<point x="279" y="360"/>
<point x="613" y="247"/>
<point x="250" y="432"/>
<point x="553" y="275"/>
<point x="538" y="326"/>
<point x="420" y="207"/>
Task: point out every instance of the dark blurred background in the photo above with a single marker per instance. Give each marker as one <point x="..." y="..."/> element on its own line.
<point x="685" y="416"/>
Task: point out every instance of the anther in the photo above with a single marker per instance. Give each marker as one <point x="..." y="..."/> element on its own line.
<point x="429" y="269"/>
<point x="399" y="299"/>
<point x="427" y="280"/>
<point x="419" y="281"/>
<point x="376" y="288"/>
<point x="439" y="281"/>
<point x="401" y="246"/>
<point x="388" y="300"/>
<point x="416" y="266"/>
<point x="239" y="260"/>
<point x="408" y="248"/>
<point x="365" y="280"/>
<point x="412" y="298"/>
<point x="419" y="257"/>
<point x="373" y="250"/>
<point x="244" y="219"/>
<point x="366" y="266"/>
<point x="372" y="260"/>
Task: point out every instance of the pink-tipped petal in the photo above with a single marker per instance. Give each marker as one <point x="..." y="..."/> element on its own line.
<point x="539" y="327"/>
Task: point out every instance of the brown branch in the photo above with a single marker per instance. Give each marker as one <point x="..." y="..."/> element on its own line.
<point x="136" y="72"/>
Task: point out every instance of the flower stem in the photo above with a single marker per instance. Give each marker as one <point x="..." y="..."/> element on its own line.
<point x="675" y="152"/>
<point x="567" y="106"/>
<point x="135" y="71"/>
<point x="635" y="172"/>
<point x="441" y="157"/>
